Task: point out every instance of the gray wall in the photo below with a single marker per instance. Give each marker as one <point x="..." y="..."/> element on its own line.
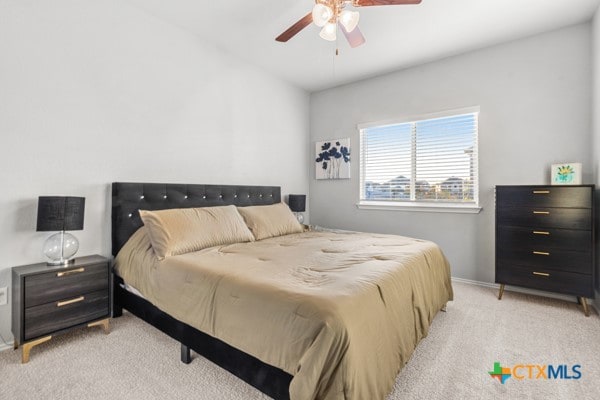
<point x="535" y="97"/>
<point x="93" y="92"/>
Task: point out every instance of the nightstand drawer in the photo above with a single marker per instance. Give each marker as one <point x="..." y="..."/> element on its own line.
<point x="550" y="196"/>
<point x="65" y="313"/>
<point x="548" y="280"/>
<point x="554" y="259"/>
<point x="70" y="282"/>
<point x="540" y="217"/>
<point x="513" y="237"/>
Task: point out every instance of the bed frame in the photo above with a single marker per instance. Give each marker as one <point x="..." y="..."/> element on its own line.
<point x="127" y="199"/>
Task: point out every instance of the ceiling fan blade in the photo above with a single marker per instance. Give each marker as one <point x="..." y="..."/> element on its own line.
<point x="354" y="38"/>
<point x="367" y="3"/>
<point x="294" y="29"/>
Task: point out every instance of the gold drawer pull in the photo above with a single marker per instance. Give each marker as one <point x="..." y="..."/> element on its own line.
<point x="67" y="302"/>
<point x="72" y="271"/>
<point x="541" y="274"/>
<point x="542" y="212"/>
<point x="541" y="253"/>
<point x="541" y="192"/>
<point x="541" y="233"/>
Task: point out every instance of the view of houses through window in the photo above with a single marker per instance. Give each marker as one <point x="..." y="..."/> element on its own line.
<point x="430" y="160"/>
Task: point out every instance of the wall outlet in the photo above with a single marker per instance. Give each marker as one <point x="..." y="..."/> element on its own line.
<point x="3" y="296"/>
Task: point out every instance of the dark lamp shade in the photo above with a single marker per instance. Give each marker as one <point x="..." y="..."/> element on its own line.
<point x="297" y="202"/>
<point x="60" y="213"/>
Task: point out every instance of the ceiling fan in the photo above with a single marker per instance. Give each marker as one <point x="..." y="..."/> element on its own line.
<point x="329" y="14"/>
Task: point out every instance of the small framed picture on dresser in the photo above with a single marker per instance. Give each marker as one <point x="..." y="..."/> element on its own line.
<point x="566" y="174"/>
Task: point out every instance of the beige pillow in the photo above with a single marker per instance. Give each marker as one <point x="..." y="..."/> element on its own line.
<point x="269" y="221"/>
<point x="183" y="230"/>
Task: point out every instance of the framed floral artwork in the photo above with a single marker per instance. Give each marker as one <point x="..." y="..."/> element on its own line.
<point x="332" y="159"/>
<point x="566" y="174"/>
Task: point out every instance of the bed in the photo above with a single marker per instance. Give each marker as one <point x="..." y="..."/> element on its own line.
<point x="318" y="314"/>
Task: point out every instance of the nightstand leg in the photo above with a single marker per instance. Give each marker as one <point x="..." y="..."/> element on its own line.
<point x="104" y="324"/>
<point x="501" y="292"/>
<point x="586" y="310"/>
<point x="27" y="348"/>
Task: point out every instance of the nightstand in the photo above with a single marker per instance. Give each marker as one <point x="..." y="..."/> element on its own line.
<point x="51" y="300"/>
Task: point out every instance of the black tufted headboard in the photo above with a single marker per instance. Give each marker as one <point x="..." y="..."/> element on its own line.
<point x="128" y="198"/>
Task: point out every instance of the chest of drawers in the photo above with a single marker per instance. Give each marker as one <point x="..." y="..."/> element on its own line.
<point x="49" y="300"/>
<point x="545" y="239"/>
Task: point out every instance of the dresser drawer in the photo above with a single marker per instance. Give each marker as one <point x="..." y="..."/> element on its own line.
<point x="540" y="217"/>
<point x="67" y="312"/>
<point x="512" y="237"/>
<point x="67" y="283"/>
<point x="548" y="280"/>
<point x="561" y="260"/>
<point x="550" y="196"/>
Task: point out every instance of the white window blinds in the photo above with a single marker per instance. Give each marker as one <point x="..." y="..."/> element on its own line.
<point x="428" y="160"/>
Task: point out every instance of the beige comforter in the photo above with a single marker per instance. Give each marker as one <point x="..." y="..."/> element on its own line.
<point x="340" y="311"/>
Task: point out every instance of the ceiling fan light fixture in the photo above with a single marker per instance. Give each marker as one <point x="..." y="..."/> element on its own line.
<point x="321" y="14"/>
<point x="349" y="19"/>
<point x="327" y="14"/>
<point x="329" y="32"/>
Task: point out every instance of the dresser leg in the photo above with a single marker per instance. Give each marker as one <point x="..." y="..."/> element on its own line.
<point x="583" y="302"/>
<point x="501" y="292"/>
<point x="104" y="324"/>
<point x="15" y="344"/>
<point x="28" y="346"/>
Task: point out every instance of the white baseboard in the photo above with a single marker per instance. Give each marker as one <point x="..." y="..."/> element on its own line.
<point x="572" y="299"/>
<point x="5" y="347"/>
<point x="476" y="283"/>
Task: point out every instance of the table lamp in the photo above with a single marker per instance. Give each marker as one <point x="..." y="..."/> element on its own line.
<point x="60" y="213"/>
<point x="297" y="203"/>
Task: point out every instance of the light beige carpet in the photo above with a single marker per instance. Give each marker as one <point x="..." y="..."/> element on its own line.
<point x="136" y="361"/>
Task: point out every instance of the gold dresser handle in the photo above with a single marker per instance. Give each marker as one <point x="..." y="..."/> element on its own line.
<point x="542" y="212"/>
<point x="541" y="274"/>
<point x="541" y="253"/>
<point x="67" y="302"/>
<point x="541" y="192"/>
<point x="72" y="271"/>
<point x="541" y="233"/>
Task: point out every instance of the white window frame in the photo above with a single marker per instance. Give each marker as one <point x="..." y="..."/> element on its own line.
<point x="471" y="208"/>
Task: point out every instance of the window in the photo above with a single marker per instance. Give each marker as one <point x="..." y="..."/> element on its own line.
<point x="429" y="162"/>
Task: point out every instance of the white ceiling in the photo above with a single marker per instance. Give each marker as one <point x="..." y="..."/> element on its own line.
<point x="397" y="36"/>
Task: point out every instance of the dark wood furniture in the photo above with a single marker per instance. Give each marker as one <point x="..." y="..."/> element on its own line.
<point x="50" y="300"/>
<point x="127" y="199"/>
<point x="545" y="239"/>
